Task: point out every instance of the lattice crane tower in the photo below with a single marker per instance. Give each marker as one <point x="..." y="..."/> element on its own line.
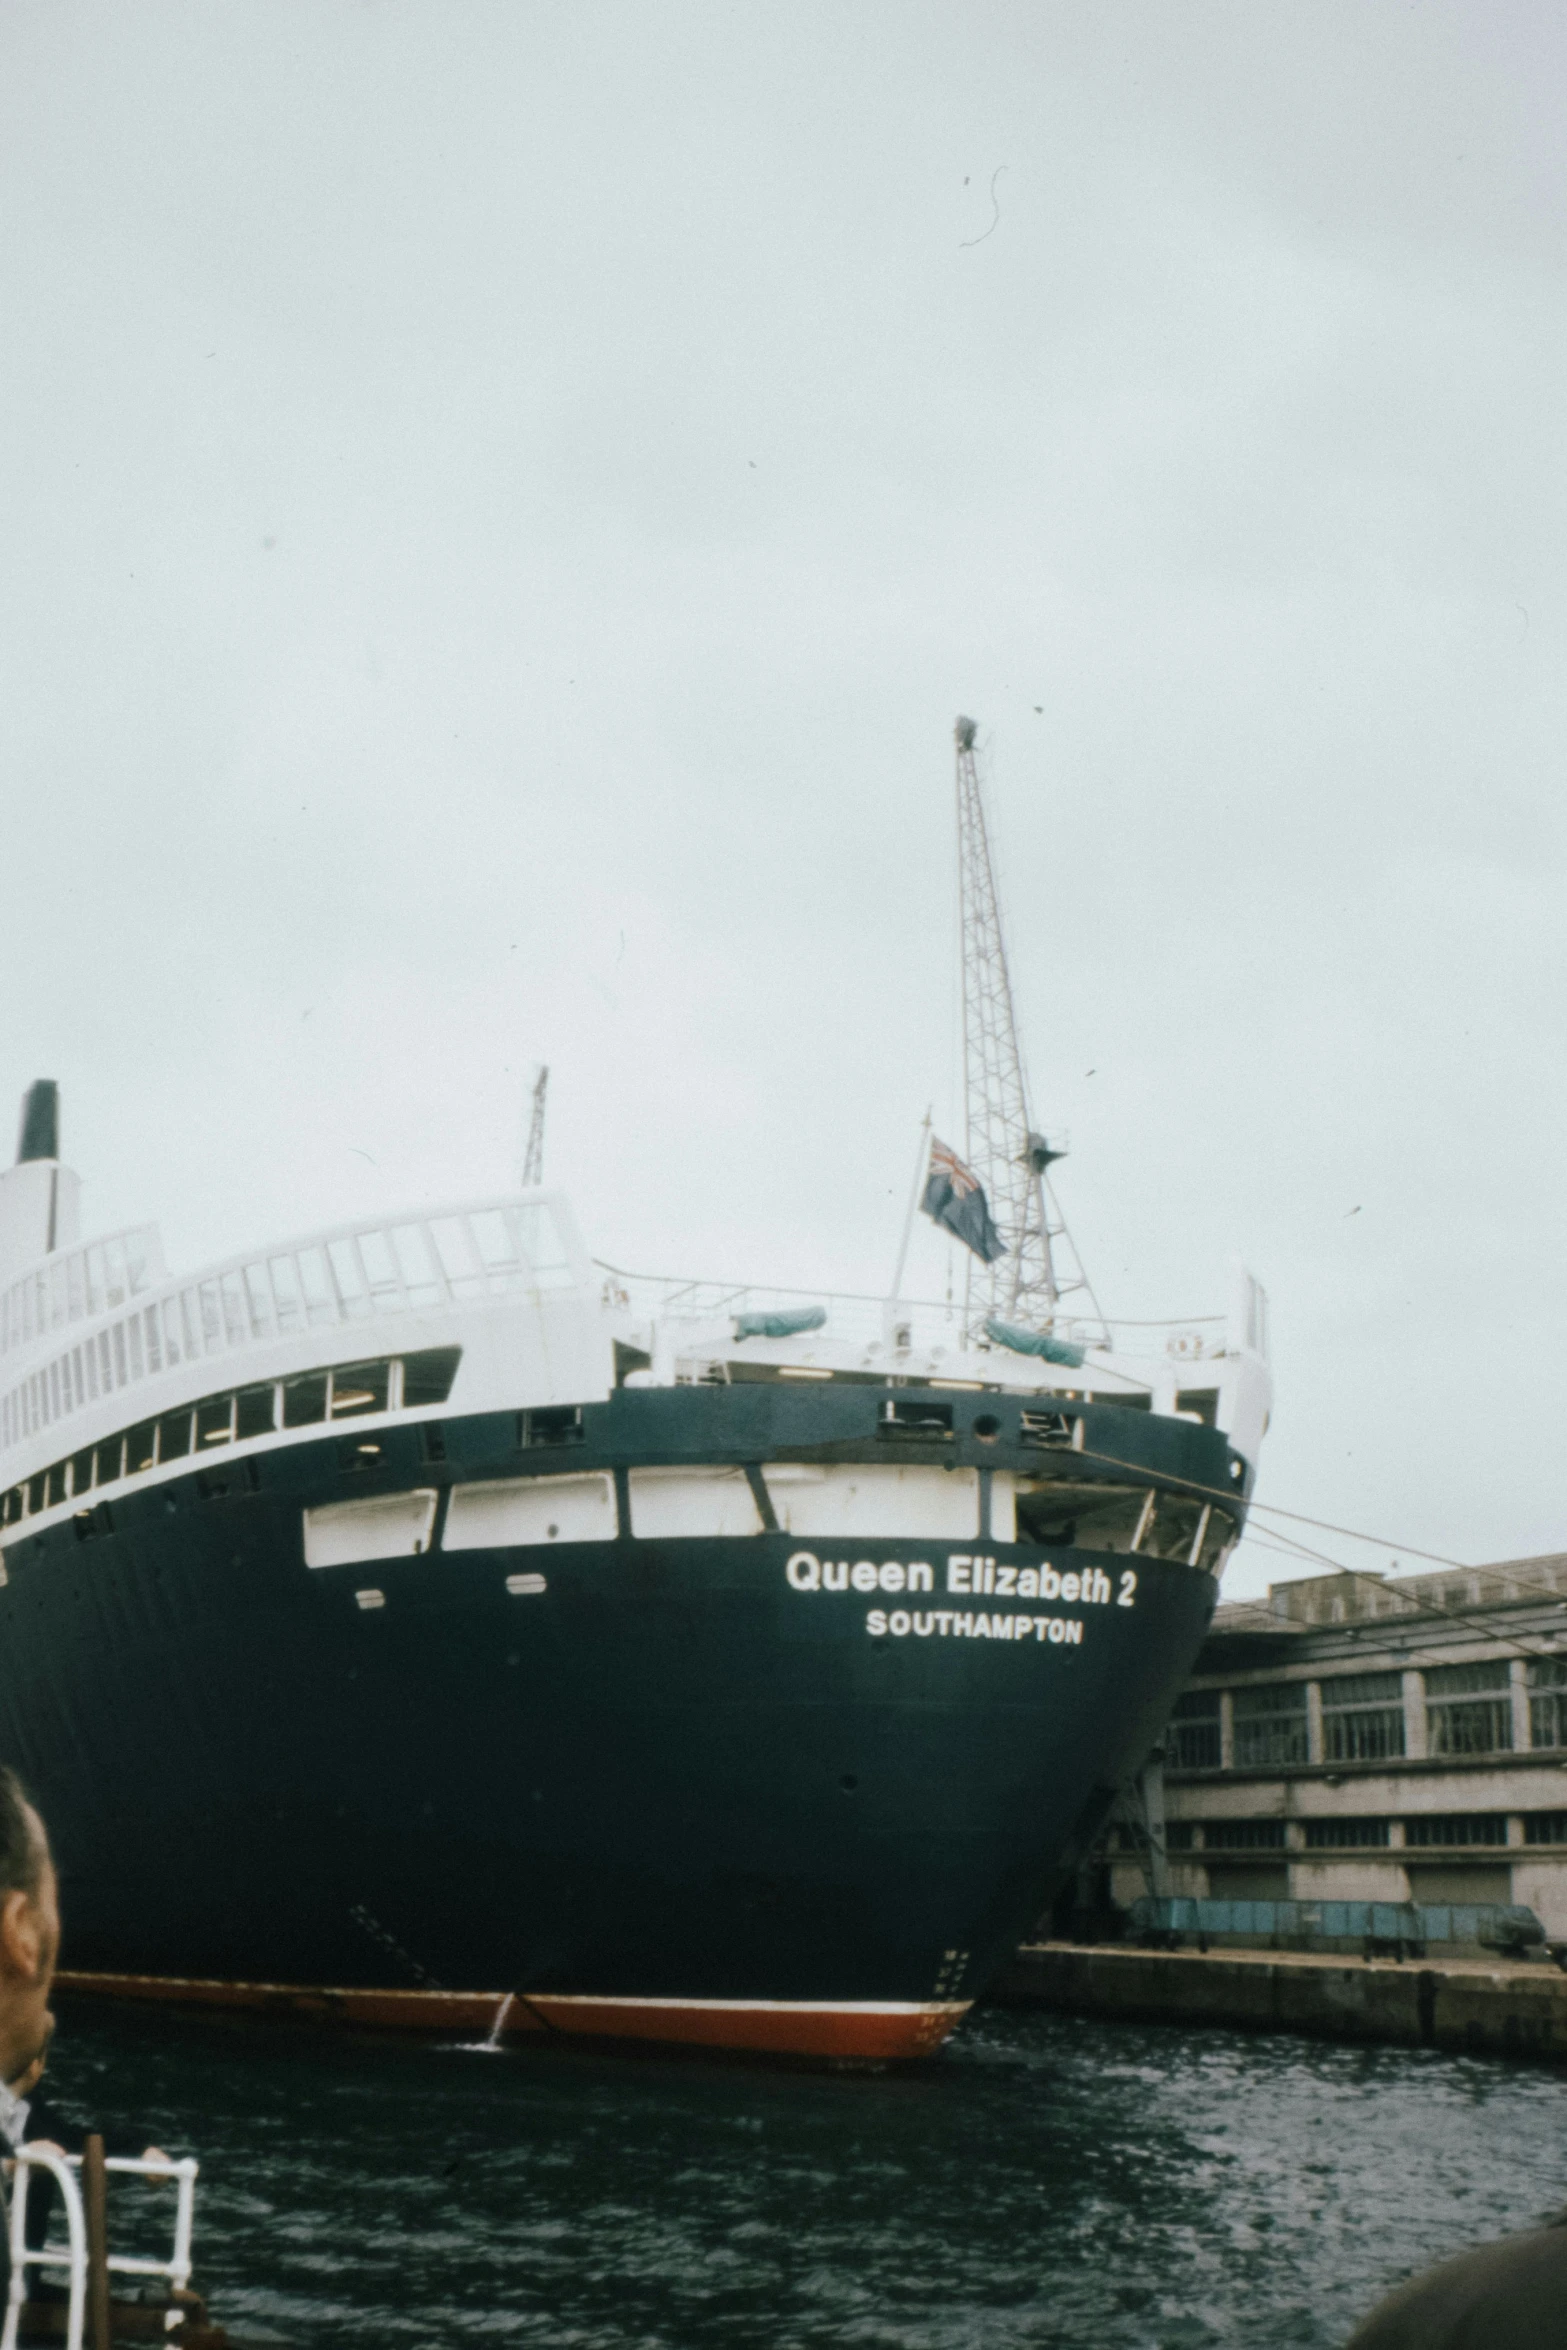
<point x="1041" y="1266"/>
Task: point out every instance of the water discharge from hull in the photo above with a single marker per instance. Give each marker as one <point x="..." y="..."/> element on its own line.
<point x="491" y="2046"/>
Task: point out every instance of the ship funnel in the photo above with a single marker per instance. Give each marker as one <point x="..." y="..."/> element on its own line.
<point x="40" y="1135"/>
<point x="39" y="1199"/>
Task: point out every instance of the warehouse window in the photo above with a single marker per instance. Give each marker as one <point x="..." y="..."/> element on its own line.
<point x="1179" y="1836"/>
<point x="1548" y="1701"/>
<point x="1192" y="1740"/>
<point x="1347" y="1835"/>
<point x="1457" y="1827"/>
<point x="1270" y="1724"/>
<point x="1545" y="1827"/>
<point x="1362" y="1717"/>
<point x="1469" y="1709"/>
<point x="1243" y="1835"/>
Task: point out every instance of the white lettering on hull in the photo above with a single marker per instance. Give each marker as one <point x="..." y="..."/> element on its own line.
<point x="973" y="1573"/>
<point x="946" y="1624"/>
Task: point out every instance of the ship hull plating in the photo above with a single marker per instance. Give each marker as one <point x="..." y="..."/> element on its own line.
<point x="686" y="1791"/>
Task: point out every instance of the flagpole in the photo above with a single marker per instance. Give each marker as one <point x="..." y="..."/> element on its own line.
<point x="920" y="1162"/>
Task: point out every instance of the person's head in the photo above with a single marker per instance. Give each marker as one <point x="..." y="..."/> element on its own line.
<point x="29" y="1931"/>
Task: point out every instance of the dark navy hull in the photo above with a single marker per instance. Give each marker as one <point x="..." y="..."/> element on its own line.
<point x="671" y="1777"/>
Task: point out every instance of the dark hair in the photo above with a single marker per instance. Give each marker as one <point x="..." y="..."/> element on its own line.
<point x="22" y="1843"/>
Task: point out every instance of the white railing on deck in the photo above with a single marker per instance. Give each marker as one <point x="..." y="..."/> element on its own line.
<point x="855" y="1319"/>
<point x="495" y="1249"/>
<point x="77" y="1283"/>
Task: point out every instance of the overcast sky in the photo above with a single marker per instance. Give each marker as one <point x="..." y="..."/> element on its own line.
<point x="503" y="503"/>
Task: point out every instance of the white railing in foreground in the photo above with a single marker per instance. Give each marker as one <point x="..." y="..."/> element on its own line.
<point x="72" y="2256"/>
<point x="853" y="1318"/>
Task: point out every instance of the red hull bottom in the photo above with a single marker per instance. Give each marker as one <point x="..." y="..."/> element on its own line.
<point x="881" y="2031"/>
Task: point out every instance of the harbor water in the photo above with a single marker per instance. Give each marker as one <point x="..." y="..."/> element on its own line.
<point x="1046" y="2181"/>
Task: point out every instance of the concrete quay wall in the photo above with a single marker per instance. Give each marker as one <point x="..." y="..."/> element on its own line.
<point x="1475" y="2005"/>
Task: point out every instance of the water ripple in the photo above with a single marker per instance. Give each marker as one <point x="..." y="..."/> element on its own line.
<point x="1044" y="2185"/>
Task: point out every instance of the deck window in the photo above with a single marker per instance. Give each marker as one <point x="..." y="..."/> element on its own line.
<point x="255" y="1411"/>
<point x="174" y="1435"/>
<point x="141" y="1447"/>
<point x="214" y="1422"/>
<point x="1174" y="1529"/>
<point x="1080" y="1510"/>
<point x="557" y="1424"/>
<point x="930" y="1421"/>
<point x="360" y="1387"/>
<point x="1362" y="1717"/>
<point x="1054" y="1431"/>
<point x="1192" y="1741"/>
<point x="1270" y="1724"/>
<point x="1469" y="1709"/>
<point x="1548" y="1701"/>
<point x="428" y="1376"/>
<point x="304" y="1399"/>
<point x="109" y="1460"/>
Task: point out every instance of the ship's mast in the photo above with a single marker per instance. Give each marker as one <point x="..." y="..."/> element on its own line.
<point x="533" y="1156"/>
<point x="1040" y="1267"/>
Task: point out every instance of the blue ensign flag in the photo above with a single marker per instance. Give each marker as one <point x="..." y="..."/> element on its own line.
<point x="955" y="1198"/>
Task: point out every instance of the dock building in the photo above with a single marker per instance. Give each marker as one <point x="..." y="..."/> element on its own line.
<point x="1355" y="1738"/>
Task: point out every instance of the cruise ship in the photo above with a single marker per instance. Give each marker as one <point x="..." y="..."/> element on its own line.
<point x="423" y="1623"/>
